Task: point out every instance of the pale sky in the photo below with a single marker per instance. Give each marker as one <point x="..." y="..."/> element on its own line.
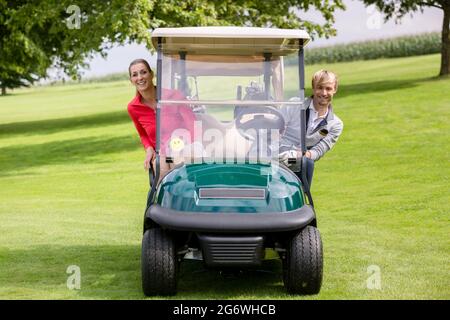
<point x="357" y="23"/>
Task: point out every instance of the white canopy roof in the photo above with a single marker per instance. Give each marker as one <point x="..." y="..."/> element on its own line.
<point x="231" y="39"/>
<point x="230" y="32"/>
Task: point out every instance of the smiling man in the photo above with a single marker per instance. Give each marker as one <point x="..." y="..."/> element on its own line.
<point x="323" y="127"/>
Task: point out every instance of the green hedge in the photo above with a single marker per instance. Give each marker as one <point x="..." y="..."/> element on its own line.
<point x="405" y="46"/>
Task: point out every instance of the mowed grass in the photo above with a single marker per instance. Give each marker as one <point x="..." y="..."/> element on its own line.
<point x="73" y="191"/>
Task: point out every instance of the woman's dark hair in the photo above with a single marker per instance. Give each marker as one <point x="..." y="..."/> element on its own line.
<point x="139" y="61"/>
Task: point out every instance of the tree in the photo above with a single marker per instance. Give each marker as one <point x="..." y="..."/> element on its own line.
<point x="38" y="34"/>
<point x="267" y="13"/>
<point x="397" y="9"/>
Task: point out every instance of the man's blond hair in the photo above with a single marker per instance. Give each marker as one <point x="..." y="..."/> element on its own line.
<point x="323" y="76"/>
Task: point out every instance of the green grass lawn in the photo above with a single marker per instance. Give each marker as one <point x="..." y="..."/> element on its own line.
<point x="73" y="191"/>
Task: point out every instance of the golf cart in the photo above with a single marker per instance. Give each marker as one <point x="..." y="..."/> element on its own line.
<point x="226" y="198"/>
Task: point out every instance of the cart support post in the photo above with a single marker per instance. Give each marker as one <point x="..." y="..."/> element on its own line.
<point x="155" y="180"/>
<point x="301" y="77"/>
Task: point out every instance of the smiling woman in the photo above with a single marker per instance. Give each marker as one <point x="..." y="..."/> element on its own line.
<point x="141" y="108"/>
<point x="142" y="111"/>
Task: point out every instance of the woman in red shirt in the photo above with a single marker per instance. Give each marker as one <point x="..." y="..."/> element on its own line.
<point x="142" y="110"/>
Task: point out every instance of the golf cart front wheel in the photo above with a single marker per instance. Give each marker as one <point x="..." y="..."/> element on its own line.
<point x="159" y="265"/>
<point x="302" y="272"/>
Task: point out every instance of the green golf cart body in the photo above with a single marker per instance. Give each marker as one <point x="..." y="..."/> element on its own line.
<point x="226" y="199"/>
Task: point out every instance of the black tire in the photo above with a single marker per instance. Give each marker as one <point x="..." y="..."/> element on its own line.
<point x="158" y="264"/>
<point x="302" y="269"/>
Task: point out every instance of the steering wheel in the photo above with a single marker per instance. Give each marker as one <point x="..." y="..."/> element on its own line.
<point x="258" y="118"/>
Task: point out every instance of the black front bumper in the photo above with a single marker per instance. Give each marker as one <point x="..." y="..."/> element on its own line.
<point x="231" y="222"/>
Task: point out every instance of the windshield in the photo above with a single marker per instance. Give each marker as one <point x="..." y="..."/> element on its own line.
<point x="217" y="108"/>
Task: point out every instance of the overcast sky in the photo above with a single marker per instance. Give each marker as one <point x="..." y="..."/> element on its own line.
<point x="357" y="23"/>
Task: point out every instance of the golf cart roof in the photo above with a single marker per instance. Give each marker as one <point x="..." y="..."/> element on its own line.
<point x="230" y="40"/>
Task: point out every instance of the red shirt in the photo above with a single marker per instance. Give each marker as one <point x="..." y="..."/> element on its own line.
<point x="144" y="119"/>
<point x="172" y="117"/>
